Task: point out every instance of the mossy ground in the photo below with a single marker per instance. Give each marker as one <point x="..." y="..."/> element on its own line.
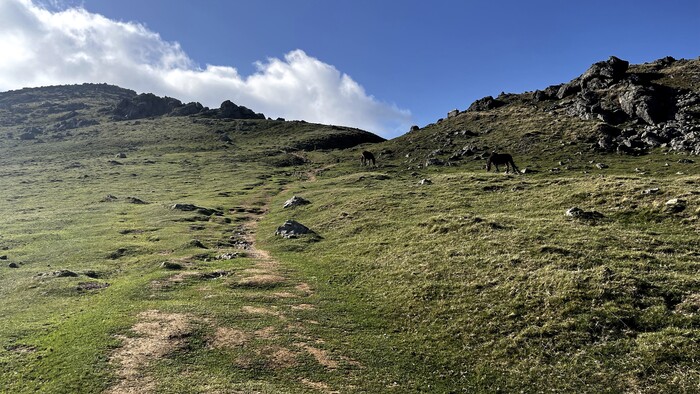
<point x="475" y="283"/>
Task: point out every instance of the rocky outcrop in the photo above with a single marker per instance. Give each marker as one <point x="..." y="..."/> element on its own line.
<point x="636" y="113"/>
<point x="188" y="109"/>
<point x="485" y="104"/>
<point x="293" y="229"/>
<point x="229" y="110"/>
<point x="144" y="105"/>
<point x="296" y="201"/>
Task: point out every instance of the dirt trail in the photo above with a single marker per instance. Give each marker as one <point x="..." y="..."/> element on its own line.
<point x="265" y="293"/>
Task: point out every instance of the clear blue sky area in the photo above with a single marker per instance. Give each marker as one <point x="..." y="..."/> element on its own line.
<point x="425" y="56"/>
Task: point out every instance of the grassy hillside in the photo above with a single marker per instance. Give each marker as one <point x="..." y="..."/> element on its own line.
<point x="473" y="282"/>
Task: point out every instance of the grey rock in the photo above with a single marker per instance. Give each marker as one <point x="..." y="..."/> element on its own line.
<point x="574" y="212"/>
<point x="292" y="229"/>
<point x="65" y="274"/>
<point x="579" y="213"/>
<point x="675" y="205"/>
<point x="433" y="161"/>
<point x="13" y="265"/>
<point x="425" y="182"/>
<point x="601" y="166"/>
<point x="184" y="207"/>
<point x="653" y="190"/>
<point x="640" y="102"/>
<point x="195" y="243"/>
<point x="170" y="265"/>
<point x="296" y="201"/>
<point x="135" y="200"/>
<point x="485" y="104"/>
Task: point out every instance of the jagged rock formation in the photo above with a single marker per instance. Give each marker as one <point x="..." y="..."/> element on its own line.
<point x="638" y="107"/>
<point x="229" y="110"/>
<point x="147" y="105"/>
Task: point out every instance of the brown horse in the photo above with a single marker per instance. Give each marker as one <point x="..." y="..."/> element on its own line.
<point x="501" y="158"/>
<point x="366" y="158"/>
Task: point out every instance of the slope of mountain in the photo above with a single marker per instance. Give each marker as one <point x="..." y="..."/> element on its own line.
<point x="142" y="255"/>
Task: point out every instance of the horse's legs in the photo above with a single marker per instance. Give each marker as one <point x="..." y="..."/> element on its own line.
<point x="515" y="169"/>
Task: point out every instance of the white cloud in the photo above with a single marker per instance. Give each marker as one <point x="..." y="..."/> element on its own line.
<point x="40" y="47"/>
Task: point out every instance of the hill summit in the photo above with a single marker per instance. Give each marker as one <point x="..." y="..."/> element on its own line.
<point x="635" y="107"/>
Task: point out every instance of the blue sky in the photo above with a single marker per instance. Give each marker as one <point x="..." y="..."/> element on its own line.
<point x="403" y="62"/>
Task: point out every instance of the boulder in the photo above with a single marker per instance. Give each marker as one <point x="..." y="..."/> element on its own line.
<point x="229" y="110"/>
<point x="184" y="207"/>
<point x="170" y="265"/>
<point x="144" y="105"/>
<point x="292" y="229"/>
<point x="675" y="205"/>
<point x="485" y="104"/>
<point x="13" y="265"/>
<point x="295" y="201"/>
<point x="135" y="200"/>
<point x="604" y="74"/>
<point x="578" y="213"/>
<point x="192" y="108"/>
<point x="640" y="102"/>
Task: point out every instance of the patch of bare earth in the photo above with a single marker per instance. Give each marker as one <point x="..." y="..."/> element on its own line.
<point x="263" y="280"/>
<point x="258" y="310"/>
<point x="229" y="338"/>
<point x="319" y="386"/>
<point x="320" y="355"/>
<point x="304" y="288"/>
<point x="303" y="307"/>
<point x="158" y="334"/>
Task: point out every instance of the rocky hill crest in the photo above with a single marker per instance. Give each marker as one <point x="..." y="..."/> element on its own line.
<point x="636" y="107"/>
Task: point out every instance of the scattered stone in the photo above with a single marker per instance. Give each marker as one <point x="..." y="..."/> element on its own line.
<point x="227" y="256"/>
<point x="115" y="163"/>
<point x="135" y="200"/>
<point x="527" y="171"/>
<point x="601" y="166"/>
<point x="653" y="190"/>
<point x="214" y="274"/>
<point x="200" y="210"/>
<point x="118" y="253"/>
<point x="686" y="161"/>
<point x="13" y="265"/>
<point x="296" y="201"/>
<point x="87" y="286"/>
<point x="292" y="229"/>
<point x="675" y="205"/>
<point x="184" y="207"/>
<point x="579" y="213"/>
<point x="120" y="155"/>
<point x="170" y="265"/>
<point x="91" y="274"/>
<point x="195" y="243"/>
<point x="3" y="257"/>
<point x="65" y="274"/>
<point x="425" y="181"/>
<point x="109" y="198"/>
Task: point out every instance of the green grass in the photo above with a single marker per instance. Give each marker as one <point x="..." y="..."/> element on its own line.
<point x="476" y="283"/>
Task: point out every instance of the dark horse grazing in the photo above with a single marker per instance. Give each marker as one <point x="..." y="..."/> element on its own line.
<point x="501" y="158"/>
<point x="366" y="158"/>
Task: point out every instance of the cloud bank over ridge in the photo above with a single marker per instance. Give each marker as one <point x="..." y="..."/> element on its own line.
<point x="40" y="47"/>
